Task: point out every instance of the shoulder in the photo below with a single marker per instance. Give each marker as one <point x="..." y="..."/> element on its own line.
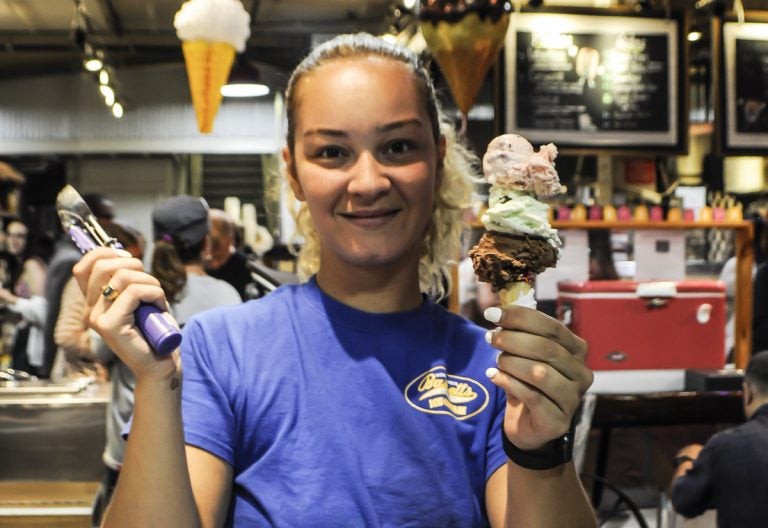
<point x="34" y="264"/>
<point x="458" y="323"/>
<point x="216" y="287"/>
<point x="256" y="313"/>
<point x="731" y="440"/>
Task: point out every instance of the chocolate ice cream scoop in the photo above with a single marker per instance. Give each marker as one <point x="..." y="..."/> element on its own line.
<point x="501" y="259"/>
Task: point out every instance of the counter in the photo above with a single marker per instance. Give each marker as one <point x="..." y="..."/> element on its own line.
<point x="51" y="442"/>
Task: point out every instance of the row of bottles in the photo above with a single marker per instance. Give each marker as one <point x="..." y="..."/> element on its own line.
<point x="717" y="212"/>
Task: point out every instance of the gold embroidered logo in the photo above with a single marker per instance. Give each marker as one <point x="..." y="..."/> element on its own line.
<point x="437" y="392"/>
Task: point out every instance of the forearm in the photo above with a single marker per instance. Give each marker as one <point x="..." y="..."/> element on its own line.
<point x="154" y="487"/>
<point x="547" y="498"/>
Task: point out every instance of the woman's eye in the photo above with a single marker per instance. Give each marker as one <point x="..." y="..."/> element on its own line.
<point x="329" y="152"/>
<point x="400" y="147"/>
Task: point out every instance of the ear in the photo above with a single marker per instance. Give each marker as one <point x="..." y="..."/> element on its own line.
<point x="441" y="149"/>
<point x="293" y="179"/>
<point x="749" y="395"/>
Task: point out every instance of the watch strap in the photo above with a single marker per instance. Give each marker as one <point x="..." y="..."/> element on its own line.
<point x="551" y="455"/>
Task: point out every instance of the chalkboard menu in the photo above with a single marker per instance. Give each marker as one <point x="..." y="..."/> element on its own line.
<point x="594" y="81"/>
<point x="745" y="88"/>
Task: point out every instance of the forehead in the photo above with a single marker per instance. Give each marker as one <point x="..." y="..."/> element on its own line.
<point x="16" y="227"/>
<point x="366" y="87"/>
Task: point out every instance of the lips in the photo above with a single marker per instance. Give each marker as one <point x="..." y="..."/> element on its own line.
<point x="370" y="216"/>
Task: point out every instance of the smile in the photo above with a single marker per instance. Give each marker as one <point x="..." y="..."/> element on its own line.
<point x="370" y="217"/>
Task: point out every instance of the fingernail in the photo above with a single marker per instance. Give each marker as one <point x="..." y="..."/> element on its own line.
<point x="492" y="314"/>
<point x="489" y="336"/>
<point x="491" y="372"/>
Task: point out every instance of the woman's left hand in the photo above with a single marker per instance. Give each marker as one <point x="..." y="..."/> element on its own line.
<point x="541" y="368"/>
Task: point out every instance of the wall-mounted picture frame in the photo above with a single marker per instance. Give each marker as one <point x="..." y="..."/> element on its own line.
<point x="743" y="88"/>
<point x="597" y="81"/>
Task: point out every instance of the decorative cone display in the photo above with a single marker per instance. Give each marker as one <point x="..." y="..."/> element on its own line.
<point x="208" y="66"/>
<point x="465" y="38"/>
<point x="211" y="32"/>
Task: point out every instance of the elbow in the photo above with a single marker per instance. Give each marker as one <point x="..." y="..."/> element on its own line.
<point x="684" y="504"/>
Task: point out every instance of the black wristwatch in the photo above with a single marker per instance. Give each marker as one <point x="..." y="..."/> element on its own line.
<point x="552" y="454"/>
<point x="679" y="459"/>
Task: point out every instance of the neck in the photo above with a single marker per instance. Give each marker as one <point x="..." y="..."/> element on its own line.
<point x="376" y="290"/>
<point x="194" y="268"/>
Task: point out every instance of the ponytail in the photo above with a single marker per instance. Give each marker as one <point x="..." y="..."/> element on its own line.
<point x="168" y="268"/>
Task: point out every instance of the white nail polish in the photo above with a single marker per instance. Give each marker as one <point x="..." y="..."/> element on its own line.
<point x="489" y="336"/>
<point x="492" y="314"/>
<point x="491" y="372"/>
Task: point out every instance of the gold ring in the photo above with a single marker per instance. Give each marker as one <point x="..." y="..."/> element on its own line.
<point x="109" y="292"/>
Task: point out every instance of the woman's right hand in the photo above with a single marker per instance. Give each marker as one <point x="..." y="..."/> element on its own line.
<point x="114" y="319"/>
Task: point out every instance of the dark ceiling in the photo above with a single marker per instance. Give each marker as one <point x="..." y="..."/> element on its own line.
<point x="47" y="36"/>
<point x="39" y="37"/>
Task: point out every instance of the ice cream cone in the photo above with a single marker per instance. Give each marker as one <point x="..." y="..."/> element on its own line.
<point x="465" y="50"/>
<point x="208" y="66"/>
<point x="515" y="291"/>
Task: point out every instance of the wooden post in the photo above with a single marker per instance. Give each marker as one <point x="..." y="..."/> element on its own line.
<point x="743" y="301"/>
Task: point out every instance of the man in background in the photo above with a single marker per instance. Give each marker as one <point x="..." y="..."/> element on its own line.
<point x="730" y="473"/>
<point x="224" y="261"/>
<point x="65" y="255"/>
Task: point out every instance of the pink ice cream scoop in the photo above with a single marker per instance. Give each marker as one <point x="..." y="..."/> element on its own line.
<point x="510" y="161"/>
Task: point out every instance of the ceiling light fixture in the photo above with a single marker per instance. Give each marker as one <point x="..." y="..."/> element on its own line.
<point x="103" y="76"/>
<point x="244" y="81"/>
<point x="694" y="36"/>
<point x="244" y="90"/>
<point x="117" y="110"/>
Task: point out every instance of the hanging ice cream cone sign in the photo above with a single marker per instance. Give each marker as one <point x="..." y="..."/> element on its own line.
<point x="465" y="37"/>
<point x="211" y="32"/>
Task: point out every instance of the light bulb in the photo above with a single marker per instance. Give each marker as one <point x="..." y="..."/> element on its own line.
<point x="103" y="77"/>
<point x="93" y="65"/>
<point x="117" y="110"/>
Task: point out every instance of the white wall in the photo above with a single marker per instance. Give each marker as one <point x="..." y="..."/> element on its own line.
<point x="135" y="185"/>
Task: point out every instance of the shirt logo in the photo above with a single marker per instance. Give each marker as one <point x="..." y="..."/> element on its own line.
<point x="437" y="392"/>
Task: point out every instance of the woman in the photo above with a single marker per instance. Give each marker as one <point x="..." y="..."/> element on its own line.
<point x="24" y="300"/>
<point x="351" y="399"/>
<point x="182" y="235"/>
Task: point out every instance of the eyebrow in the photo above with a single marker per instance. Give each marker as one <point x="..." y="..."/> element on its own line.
<point x="383" y="128"/>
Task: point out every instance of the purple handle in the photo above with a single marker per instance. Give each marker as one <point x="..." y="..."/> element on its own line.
<point x="161" y="332"/>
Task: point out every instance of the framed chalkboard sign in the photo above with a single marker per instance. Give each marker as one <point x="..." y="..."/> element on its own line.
<point x="594" y="82"/>
<point x="743" y="118"/>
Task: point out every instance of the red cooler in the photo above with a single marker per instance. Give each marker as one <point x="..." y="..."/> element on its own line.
<point x="647" y="325"/>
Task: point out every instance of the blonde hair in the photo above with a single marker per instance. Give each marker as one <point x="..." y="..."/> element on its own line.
<point x="442" y="241"/>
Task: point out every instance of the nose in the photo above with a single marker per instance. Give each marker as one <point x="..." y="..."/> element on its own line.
<point x="369" y="178"/>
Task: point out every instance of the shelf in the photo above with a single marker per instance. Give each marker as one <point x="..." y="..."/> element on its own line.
<point x="600" y="224"/>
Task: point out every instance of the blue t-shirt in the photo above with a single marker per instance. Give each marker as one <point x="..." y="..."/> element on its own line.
<point x="331" y="416"/>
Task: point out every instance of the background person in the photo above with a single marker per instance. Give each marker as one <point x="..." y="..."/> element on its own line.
<point x="181" y="226"/>
<point x="223" y="260"/>
<point x="730" y="472"/>
<point x="65" y="255"/>
<point x="23" y="298"/>
<point x="335" y="402"/>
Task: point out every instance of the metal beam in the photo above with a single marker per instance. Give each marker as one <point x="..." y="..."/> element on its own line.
<point x="113" y="19"/>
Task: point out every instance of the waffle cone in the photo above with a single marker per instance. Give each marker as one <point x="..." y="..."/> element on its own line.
<point x="465" y="50"/>
<point x="513" y="291"/>
<point x="208" y="66"/>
